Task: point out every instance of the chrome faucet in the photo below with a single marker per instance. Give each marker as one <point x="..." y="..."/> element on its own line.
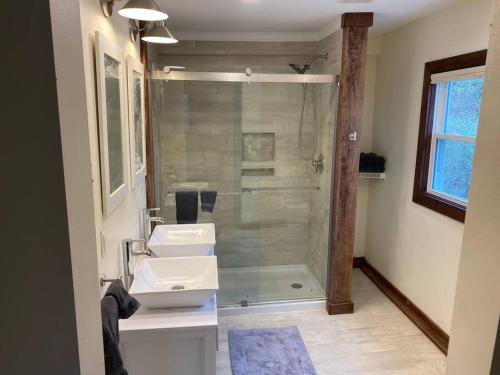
<point x="148" y="219"/>
<point x="127" y="253"/>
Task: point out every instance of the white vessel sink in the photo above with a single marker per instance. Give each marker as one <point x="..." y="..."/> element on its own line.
<point x="183" y="240"/>
<point x="161" y="283"/>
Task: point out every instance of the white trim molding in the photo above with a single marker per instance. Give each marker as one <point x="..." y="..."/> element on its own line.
<point x="458" y="75"/>
<point x="239" y="36"/>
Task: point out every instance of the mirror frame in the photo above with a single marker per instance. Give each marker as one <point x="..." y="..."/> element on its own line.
<point x="110" y="199"/>
<point x="134" y="66"/>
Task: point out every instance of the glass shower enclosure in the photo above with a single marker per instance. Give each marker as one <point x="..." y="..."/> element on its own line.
<point x="238" y="134"/>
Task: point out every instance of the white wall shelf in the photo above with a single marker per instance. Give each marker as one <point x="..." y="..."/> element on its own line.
<point x="372" y="176"/>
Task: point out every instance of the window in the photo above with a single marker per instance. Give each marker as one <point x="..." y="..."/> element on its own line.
<point x="449" y="121"/>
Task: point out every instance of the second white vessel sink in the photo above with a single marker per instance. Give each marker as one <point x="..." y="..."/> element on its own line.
<point x="161" y="283"/>
<point x="182" y="240"/>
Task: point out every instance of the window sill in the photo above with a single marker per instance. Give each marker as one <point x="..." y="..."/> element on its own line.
<point x="441" y="205"/>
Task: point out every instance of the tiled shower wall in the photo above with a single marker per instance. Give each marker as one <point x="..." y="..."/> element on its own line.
<point x="199" y="128"/>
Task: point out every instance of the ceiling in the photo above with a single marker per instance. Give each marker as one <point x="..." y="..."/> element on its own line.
<point x="284" y="19"/>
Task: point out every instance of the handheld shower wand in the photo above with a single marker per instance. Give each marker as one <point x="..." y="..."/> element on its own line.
<point x="302" y="69"/>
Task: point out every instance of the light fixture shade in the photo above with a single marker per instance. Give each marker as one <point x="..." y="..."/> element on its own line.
<point x="143" y="10"/>
<point x="159" y="34"/>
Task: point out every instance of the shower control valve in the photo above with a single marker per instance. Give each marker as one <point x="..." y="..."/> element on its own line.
<point x="319" y="164"/>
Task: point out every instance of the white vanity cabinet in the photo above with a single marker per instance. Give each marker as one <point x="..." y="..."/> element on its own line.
<point x="171" y="341"/>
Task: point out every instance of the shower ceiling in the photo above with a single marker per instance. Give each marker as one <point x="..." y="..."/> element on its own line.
<point x="288" y="19"/>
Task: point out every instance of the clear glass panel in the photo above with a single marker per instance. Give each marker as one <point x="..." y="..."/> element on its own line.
<point x="463" y="107"/>
<point x="138" y="122"/>
<point x="453" y="168"/>
<point x="114" y="122"/>
<point x="241" y="140"/>
<point x="199" y="129"/>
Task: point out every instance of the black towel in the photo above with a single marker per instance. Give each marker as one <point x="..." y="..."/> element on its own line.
<point x="208" y="198"/>
<point x="111" y="337"/>
<point x="186" y="204"/>
<point x="127" y="305"/>
<point x="371" y="163"/>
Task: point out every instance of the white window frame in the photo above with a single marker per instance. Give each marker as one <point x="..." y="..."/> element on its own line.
<point x="439" y="121"/>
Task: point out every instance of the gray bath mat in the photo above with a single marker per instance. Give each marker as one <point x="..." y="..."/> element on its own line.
<point x="278" y="351"/>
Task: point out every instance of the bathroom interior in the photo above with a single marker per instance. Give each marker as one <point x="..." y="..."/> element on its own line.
<point x="254" y="187"/>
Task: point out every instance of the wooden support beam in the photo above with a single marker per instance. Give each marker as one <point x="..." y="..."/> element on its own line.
<point x="357" y="20"/>
<point x="346" y="160"/>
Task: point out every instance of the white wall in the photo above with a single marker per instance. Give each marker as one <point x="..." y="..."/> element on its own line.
<point x="125" y="221"/>
<point x="417" y="249"/>
<point x="74" y="123"/>
<point x="366" y="143"/>
<point x="477" y="304"/>
<point x="74" y="25"/>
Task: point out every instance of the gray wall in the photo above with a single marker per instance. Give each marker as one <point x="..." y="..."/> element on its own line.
<point x="38" y="329"/>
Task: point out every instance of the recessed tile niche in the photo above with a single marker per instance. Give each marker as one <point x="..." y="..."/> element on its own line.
<point x="255" y="172"/>
<point x="259" y="147"/>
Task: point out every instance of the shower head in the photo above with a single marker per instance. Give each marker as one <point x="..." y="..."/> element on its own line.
<point x="302" y="69"/>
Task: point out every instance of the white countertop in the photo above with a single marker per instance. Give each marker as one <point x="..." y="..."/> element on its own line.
<point x="164" y="320"/>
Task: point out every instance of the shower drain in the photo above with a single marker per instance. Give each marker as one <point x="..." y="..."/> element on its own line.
<point x="296" y="286"/>
<point x="178" y="287"/>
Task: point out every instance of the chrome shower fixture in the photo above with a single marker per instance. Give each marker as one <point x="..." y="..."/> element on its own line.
<point x="318" y="164"/>
<point x="169" y="68"/>
<point x="302" y="69"/>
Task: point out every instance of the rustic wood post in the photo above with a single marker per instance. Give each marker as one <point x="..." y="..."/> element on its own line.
<point x="346" y="160"/>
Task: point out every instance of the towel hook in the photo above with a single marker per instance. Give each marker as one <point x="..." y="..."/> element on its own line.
<point x="103" y="280"/>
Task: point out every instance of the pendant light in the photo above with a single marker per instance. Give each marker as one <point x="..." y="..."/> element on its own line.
<point x="142" y="10"/>
<point x="159" y="34"/>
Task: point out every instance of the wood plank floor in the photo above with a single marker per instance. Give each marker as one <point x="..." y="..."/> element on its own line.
<point x="376" y="339"/>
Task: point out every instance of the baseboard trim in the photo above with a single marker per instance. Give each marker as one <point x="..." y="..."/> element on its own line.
<point x="418" y="317"/>
<point x="357" y="262"/>
<point x="339" y="308"/>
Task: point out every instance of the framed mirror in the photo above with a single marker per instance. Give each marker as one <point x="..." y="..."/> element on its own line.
<point x="136" y="116"/>
<point x="112" y="123"/>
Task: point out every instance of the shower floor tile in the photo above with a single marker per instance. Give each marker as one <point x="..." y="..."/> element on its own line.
<point x="267" y="284"/>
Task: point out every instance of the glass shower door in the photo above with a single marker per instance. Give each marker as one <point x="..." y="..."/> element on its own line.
<point x="198" y="141"/>
<point x="241" y="140"/>
<point x="237" y="250"/>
